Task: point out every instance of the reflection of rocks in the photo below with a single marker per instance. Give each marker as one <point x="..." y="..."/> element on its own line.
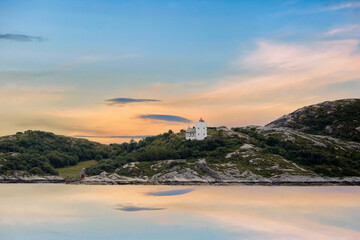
<point x="22" y="177"/>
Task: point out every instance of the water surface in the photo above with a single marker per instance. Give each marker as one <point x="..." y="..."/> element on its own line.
<point x="80" y="212"/>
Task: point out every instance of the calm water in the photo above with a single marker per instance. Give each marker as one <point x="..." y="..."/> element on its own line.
<point x="76" y="212"/>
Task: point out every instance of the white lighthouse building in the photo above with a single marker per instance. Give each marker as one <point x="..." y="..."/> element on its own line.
<point x="199" y="132"/>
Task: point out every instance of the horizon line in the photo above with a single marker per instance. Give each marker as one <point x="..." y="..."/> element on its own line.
<point x="136" y="136"/>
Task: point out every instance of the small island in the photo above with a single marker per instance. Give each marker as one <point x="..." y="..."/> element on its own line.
<point x="314" y="145"/>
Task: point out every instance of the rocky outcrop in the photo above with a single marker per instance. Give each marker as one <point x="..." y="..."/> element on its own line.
<point x="338" y="119"/>
<point x="206" y="175"/>
<point x="104" y="178"/>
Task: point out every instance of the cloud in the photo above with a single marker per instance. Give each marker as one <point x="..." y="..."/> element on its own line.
<point x="315" y="10"/>
<point x="117" y="101"/>
<point x="295" y="57"/>
<point x="94" y="58"/>
<point x="27" y="94"/>
<point x="342" y="6"/>
<point x="136" y="136"/>
<point x="81" y="61"/>
<point x="274" y="70"/>
<point x="167" y="118"/>
<point x="171" y="192"/>
<point x="21" y="37"/>
<point x="353" y="29"/>
<point x="50" y="123"/>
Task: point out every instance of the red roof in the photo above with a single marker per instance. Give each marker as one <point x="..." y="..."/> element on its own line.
<point x="201" y="120"/>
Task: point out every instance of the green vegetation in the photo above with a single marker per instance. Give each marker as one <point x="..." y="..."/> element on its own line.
<point x="41" y="152"/>
<point x="167" y="146"/>
<point x="72" y="172"/>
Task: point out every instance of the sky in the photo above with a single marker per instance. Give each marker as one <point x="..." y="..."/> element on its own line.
<point x="135" y="68"/>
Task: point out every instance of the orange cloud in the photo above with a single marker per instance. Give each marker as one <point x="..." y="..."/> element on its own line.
<point x="30" y="94"/>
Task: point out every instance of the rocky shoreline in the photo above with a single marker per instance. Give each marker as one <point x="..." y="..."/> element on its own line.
<point x="114" y="179"/>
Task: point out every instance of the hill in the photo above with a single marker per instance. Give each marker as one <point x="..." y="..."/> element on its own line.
<point x="239" y="154"/>
<point x="38" y="152"/>
<point x="340" y="119"/>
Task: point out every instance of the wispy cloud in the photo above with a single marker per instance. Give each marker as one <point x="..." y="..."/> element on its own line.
<point x="29" y="94"/>
<point x="275" y="69"/>
<point x="136" y="136"/>
<point x="321" y="9"/>
<point x="94" y="58"/>
<point x="342" y="6"/>
<point x="49" y="123"/>
<point x="121" y="101"/>
<point x="21" y="37"/>
<point x="167" y="118"/>
<point x="353" y="29"/>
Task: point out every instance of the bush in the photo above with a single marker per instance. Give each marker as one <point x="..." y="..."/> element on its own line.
<point x="36" y="171"/>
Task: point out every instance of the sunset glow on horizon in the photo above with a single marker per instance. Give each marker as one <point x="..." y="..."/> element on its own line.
<point x="119" y="68"/>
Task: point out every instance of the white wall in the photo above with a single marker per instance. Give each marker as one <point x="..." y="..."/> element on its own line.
<point x="190" y="136"/>
<point x="201" y="130"/>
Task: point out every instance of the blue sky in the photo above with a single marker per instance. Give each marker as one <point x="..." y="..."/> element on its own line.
<point x="80" y="53"/>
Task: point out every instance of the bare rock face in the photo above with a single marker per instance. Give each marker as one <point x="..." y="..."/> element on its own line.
<point x="186" y="175"/>
<point x="23" y="177"/>
<point x="112" y="179"/>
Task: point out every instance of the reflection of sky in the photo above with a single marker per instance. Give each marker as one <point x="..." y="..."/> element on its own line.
<point x="208" y="212"/>
<point x="135" y="209"/>
<point x="170" y="192"/>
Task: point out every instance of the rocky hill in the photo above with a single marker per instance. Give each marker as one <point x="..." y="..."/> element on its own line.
<point x="247" y="155"/>
<point x="340" y="119"/>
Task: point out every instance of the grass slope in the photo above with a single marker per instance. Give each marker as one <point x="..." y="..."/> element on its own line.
<point x="72" y="172"/>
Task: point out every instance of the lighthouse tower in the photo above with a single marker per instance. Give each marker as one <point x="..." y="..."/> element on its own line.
<point x="201" y="130"/>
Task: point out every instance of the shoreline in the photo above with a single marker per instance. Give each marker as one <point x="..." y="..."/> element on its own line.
<point x="172" y="183"/>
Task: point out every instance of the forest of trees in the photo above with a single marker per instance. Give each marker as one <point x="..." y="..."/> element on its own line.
<point x="40" y="152"/>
